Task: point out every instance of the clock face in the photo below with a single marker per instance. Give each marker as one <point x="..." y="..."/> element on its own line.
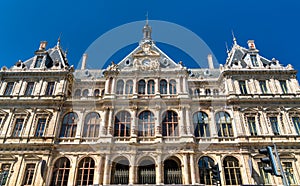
<point x="146" y="62"/>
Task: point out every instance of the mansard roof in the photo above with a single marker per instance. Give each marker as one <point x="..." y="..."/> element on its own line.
<point x="53" y="58"/>
<point x="241" y="57"/>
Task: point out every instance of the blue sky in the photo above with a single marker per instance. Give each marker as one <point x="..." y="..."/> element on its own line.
<point x="274" y="25"/>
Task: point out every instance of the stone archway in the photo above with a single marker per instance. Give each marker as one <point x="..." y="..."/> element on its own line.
<point x="120" y="172"/>
<point x="146" y="172"/>
<point x="172" y="171"/>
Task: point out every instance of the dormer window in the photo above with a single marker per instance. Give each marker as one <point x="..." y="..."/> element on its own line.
<point x="254" y="60"/>
<point x="38" y="61"/>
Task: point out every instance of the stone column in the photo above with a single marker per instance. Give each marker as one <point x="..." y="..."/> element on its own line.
<point x="107" y="84"/>
<point x="178" y="87"/>
<point x="110" y="122"/>
<point x="229" y="85"/>
<point x="193" y="174"/>
<point x="97" y="178"/>
<point x="133" y="125"/>
<point x="185" y="88"/>
<point x="113" y="88"/>
<point x="181" y="122"/>
<point x="132" y="168"/>
<point x="156" y="81"/>
<point x="80" y="124"/>
<point x="158" y="171"/>
<point x="72" y="173"/>
<point x="106" y="172"/>
<point x="185" y="176"/>
<point x="189" y="123"/>
<point x="103" y="126"/>
<point x="157" y="123"/>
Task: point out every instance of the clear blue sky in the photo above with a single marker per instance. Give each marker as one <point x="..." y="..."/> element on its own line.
<point x="274" y="25"/>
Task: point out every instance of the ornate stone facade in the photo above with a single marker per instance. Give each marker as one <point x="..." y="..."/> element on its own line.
<point x="147" y="120"/>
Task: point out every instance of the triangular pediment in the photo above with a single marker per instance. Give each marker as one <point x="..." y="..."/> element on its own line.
<point x="147" y="58"/>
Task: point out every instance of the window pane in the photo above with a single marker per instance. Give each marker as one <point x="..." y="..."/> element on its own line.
<point x="91" y="125"/>
<point x="29" y="89"/>
<point x="18" y="127"/>
<point x="274" y="124"/>
<point x="29" y="172"/>
<point x="283" y="86"/>
<point x="243" y="87"/>
<point x="50" y="88"/>
<point x="40" y="127"/>
<point x="170" y="124"/>
<point x="296" y="122"/>
<point x="122" y="124"/>
<point x="38" y="62"/>
<point x="146" y="124"/>
<point x="252" y="126"/>
<point x="4" y="173"/>
<point x="263" y="87"/>
<point x="9" y="88"/>
<point x="69" y="125"/>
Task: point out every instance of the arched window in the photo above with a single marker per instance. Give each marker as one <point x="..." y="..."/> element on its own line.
<point x="77" y="93"/>
<point x="85" y="93"/>
<point x="120" y="87"/>
<point x="122" y="124"/>
<point x="146" y="172"/>
<point x="120" y="172"/>
<point x="61" y="172"/>
<point x="207" y="92"/>
<point x="146" y="124"/>
<point x="163" y="86"/>
<point x="91" y="125"/>
<point x="141" y="86"/>
<point x="200" y="120"/>
<point x="69" y="125"/>
<point x="129" y="87"/>
<point x="172" y="87"/>
<point x="205" y="164"/>
<point x="172" y="171"/>
<point x="232" y="171"/>
<point x="197" y="92"/>
<point x="96" y="92"/>
<point x="86" y="171"/>
<point x="170" y="124"/>
<point x="224" y="125"/>
<point x="150" y="87"/>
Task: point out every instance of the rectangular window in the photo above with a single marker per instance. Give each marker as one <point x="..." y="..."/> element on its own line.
<point x="9" y="88"/>
<point x="288" y="169"/>
<point x="4" y="173"/>
<point x="263" y="86"/>
<point x="40" y="127"/>
<point x="296" y="121"/>
<point x="38" y="62"/>
<point x="283" y="86"/>
<point x="29" y="172"/>
<point x="252" y="126"/>
<point x="29" y="89"/>
<point x="265" y="178"/>
<point x="274" y="124"/>
<point x="243" y="87"/>
<point x="50" y="89"/>
<point x="254" y="60"/>
<point x="18" y="127"/>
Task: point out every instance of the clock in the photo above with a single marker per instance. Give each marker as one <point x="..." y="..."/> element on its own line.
<point x="146" y="62"/>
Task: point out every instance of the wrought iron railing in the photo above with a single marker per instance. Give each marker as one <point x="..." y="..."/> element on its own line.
<point x="147" y="176"/>
<point x="120" y="177"/>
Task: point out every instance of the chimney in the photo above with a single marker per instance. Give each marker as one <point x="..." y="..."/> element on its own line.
<point x="251" y="44"/>
<point x="43" y="45"/>
<point x="210" y="61"/>
<point x="83" y="64"/>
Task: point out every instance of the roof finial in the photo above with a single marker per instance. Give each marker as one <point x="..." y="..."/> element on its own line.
<point x="226" y="47"/>
<point x="147" y="18"/>
<point x="233" y="37"/>
<point x="58" y="40"/>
